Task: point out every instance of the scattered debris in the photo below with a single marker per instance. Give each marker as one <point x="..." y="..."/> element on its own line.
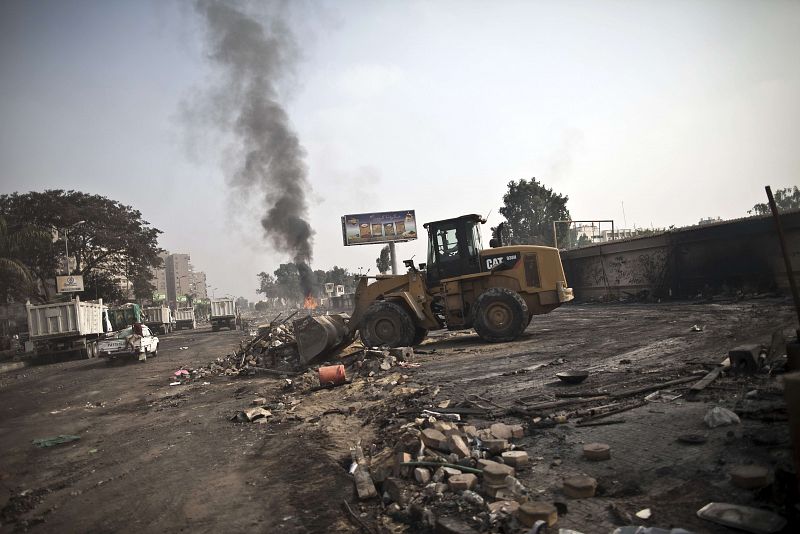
<point x="251" y="414"/>
<point x="579" y="487"/>
<point x="750" y="476"/>
<point x="644" y="514"/>
<point x="56" y="440"/>
<point x="719" y="416"/>
<point x="744" y="518"/>
<point x="596" y="451"/>
<point x="697" y="328"/>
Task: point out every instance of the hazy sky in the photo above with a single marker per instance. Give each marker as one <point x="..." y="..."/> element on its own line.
<point x="679" y="109"/>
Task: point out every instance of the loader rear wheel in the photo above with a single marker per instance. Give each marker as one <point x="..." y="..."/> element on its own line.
<point x="387" y="324"/>
<point x="500" y="315"/>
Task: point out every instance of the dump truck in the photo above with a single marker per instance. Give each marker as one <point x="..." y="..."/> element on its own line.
<point x="184" y="318"/>
<point x="125" y="315"/>
<point x="496" y="291"/>
<point x="158" y="319"/>
<point x="223" y="314"/>
<point x="66" y="327"/>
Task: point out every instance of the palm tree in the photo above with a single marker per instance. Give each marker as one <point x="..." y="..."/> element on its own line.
<point x="16" y="279"/>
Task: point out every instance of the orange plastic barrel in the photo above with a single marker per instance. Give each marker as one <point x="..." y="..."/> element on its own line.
<point x="332" y="374"/>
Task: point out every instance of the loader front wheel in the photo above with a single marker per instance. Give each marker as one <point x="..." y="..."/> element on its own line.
<point x="500" y="315"/>
<point x="387" y="324"/>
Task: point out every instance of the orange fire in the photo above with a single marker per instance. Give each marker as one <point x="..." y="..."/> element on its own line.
<point x="310" y="303"/>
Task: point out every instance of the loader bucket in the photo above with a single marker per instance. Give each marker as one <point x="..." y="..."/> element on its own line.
<point x="317" y="336"/>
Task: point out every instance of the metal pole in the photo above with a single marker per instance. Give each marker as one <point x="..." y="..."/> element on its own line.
<point x="393" y="257"/>
<point x="66" y="247"/>
<point x="782" y="239"/>
<point x="555" y="236"/>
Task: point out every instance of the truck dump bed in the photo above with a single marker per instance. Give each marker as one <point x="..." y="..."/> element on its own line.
<point x="223" y="308"/>
<point x="64" y="319"/>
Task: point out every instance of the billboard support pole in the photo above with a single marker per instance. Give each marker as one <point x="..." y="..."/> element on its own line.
<point x="393" y="256"/>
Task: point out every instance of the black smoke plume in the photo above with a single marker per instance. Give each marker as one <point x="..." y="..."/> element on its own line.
<point x="253" y="56"/>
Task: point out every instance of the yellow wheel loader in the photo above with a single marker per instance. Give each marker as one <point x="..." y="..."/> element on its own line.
<point x="495" y="291"/>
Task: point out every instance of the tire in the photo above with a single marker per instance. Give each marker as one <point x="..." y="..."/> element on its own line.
<point x="419" y="335"/>
<point x="155" y="352"/>
<point x="387" y="324"/>
<point x="93" y="350"/>
<point x="500" y="315"/>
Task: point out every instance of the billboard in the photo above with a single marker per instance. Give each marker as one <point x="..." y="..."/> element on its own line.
<point x="69" y="284"/>
<point x="383" y="227"/>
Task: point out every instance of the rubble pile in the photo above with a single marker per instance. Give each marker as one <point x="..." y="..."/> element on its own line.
<point x="452" y="477"/>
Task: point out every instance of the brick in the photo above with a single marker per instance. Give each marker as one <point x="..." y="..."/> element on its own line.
<point x="451" y="471"/>
<point x="458" y="446"/>
<point x="530" y="512"/>
<point x="579" y="487"/>
<point x="515" y="459"/>
<point x="596" y="451"/>
<point x="464" y="481"/>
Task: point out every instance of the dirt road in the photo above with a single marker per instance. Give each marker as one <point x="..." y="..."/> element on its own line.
<point x="160" y="458"/>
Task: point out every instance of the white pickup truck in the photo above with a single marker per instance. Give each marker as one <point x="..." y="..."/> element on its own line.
<point x="125" y="344"/>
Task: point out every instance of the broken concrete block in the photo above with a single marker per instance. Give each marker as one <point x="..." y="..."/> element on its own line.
<point x="450" y="471"/>
<point x="531" y="512"/>
<point x="579" y="487"/>
<point x="503" y="507"/>
<point x="495" y="473"/>
<point x="434" y="439"/>
<point x="473" y="498"/>
<point x="259" y="401"/>
<point x="397" y="491"/>
<point x="438" y="475"/>
<point x="364" y="485"/>
<point x="469" y="430"/>
<point x="400" y="470"/>
<point x="463" y="481"/>
<point x="495" y="446"/>
<point x="745" y="359"/>
<point x="596" y="451"/>
<point x="750" y="476"/>
<point x="403" y="354"/>
<point x="458" y="446"/>
<point x="517" y="431"/>
<point x="422" y="475"/>
<point x="501" y="431"/>
<point x="515" y="459"/>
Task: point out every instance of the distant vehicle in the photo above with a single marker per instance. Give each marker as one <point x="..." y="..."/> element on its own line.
<point x="223" y="314"/>
<point x="64" y="327"/>
<point x="158" y="319"/>
<point x="184" y="318"/>
<point x="125" y="343"/>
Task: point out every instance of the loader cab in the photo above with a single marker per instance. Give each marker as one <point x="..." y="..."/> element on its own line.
<point x="454" y="247"/>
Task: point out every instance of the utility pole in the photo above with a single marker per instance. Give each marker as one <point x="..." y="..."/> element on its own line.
<point x="393" y="257"/>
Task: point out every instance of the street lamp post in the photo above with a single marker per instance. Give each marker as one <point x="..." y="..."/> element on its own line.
<point x="66" y="242"/>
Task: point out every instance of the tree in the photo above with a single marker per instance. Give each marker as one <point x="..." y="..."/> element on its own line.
<point x="785" y="199"/>
<point x="287" y="282"/>
<point x="384" y="261"/>
<point x="530" y="209"/>
<point x="109" y="240"/>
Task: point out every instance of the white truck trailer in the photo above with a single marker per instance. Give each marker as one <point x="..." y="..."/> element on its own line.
<point x="62" y="327"/>
<point x="159" y="319"/>
<point x="223" y="314"/>
<point x="184" y="318"/>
